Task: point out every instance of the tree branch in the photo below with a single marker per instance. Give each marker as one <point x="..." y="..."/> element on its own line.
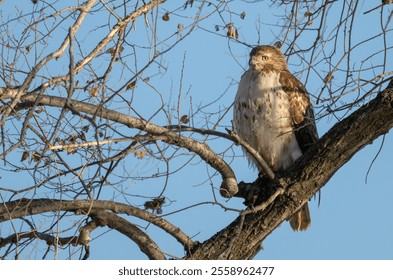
<point x="229" y="184"/>
<point x="144" y="242"/>
<point x="23" y="207"/>
<point x="116" y="29"/>
<point x="49" y="239"/>
<point x="59" y="52"/>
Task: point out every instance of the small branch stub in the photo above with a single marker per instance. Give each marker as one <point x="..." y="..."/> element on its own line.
<point x="229" y="187"/>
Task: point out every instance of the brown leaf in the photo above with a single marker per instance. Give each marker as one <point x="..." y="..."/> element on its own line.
<point x="140" y="154"/>
<point x="329" y="77"/>
<point x="40" y="110"/>
<point x="232" y="32"/>
<point x="166" y="17"/>
<point x="70" y="150"/>
<point x="25" y="156"/>
<point x="94" y="91"/>
<point x="72" y="139"/>
<point x="277" y="44"/>
<point x="131" y="85"/>
<point x="111" y="51"/>
<point x="82" y="136"/>
<point x="185" y="119"/>
<point x="36" y="156"/>
<point x="155" y="204"/>
<point x="85" y="128"/>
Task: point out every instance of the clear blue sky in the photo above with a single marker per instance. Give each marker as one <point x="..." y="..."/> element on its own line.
<point x="353" y="220"/>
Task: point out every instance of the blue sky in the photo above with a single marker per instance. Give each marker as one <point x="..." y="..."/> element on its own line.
<point x="353" y="219"/>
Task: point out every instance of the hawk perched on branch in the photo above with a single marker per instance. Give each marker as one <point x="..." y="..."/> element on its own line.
<point x="273" y="114"/>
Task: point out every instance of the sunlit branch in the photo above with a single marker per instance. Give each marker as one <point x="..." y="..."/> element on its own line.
<point x="229" y="185"/>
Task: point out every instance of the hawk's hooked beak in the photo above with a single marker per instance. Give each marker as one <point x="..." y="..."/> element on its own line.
<point x="254" y="63"/>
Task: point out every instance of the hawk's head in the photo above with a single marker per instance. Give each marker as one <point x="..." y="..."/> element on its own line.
<point x="267" y="58"/>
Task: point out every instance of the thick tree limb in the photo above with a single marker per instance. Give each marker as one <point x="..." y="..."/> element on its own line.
<point x="306" y="177"/>
<point x="49" y="239"/>
<point x="25" y="207"/>
<point x="144" y="242"/>
<point x="229" y="184"/>
<point x="96" y="210"/>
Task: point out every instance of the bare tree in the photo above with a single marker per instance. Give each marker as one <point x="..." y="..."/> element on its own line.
<point x="98" y="130"/>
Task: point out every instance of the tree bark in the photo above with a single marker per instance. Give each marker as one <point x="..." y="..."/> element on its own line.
<point x="242" y="238"/>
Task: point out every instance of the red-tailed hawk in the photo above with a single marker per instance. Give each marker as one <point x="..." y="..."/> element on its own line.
<point x="273" y="113"/>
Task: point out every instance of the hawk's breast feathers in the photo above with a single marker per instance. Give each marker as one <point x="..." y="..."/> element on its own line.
<point x="272" y="110"/>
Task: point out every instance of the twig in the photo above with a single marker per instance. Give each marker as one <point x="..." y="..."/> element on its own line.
<point x="259" y="159"/>
<point x="373" y="9"/>
<point x="263" y="205"/>
<point x="102" y="142"/>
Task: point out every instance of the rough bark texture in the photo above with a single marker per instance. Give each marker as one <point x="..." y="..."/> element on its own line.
<point x="242" y="238"/>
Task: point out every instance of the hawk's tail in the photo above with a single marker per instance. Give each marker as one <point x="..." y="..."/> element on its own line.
<point x="301" y="220"/>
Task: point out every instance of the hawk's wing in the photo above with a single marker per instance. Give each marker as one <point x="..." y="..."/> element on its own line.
<point x="301" y="111"/>
<point x="305" y="130"/>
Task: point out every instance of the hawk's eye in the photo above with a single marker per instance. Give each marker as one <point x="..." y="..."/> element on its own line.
<point x="265" y="57"/>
